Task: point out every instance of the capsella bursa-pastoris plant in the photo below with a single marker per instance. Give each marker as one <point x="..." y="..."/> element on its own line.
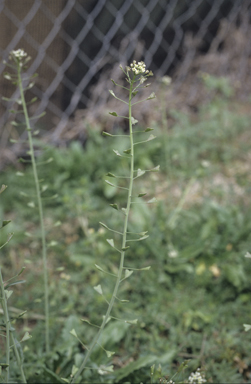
<point x="7" y="324"/>
<point x="17" y="63"/>
<point x="136" y="75"/>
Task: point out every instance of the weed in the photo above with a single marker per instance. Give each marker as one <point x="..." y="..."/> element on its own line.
<point x="20" y="59"/>
<point x="6" y="325"/>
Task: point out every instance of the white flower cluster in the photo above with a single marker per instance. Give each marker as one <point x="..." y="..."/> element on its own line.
<point x="18" y="54"/>
<point x="138" y="68"/>
<point x="196" y="378"/>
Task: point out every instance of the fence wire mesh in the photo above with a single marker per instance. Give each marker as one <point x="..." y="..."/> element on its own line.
<point x="74" y="42"/>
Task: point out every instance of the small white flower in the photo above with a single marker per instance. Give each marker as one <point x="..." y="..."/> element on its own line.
<point x="139" y="68"/>
<point x="19" y="53"/>
<point x="196" y="378"/>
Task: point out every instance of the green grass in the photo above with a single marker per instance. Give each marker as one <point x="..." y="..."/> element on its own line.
<point x="191" y="306"/>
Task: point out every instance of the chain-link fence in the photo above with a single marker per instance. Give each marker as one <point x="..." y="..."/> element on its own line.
<point x="74" y="42"/>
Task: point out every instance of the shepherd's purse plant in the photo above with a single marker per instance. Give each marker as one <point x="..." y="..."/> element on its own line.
<point x="136" y="75"/>
<point x="17" y="62"/>
<point x="6" y="324"/>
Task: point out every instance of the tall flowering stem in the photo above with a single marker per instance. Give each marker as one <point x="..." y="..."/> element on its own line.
<point x="20" y="59"/>
<point x="136" y="75"/>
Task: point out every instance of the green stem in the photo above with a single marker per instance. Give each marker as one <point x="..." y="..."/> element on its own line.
<point x="9" y="333"/>
<point x="167" y="154"/>
<point x="19" y="361"/>
<point x="7" y="327"/>
<point x="40" y="209"/>
<point x="124" y="237"/>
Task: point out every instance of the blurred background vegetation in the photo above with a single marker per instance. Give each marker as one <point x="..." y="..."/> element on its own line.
<point x="193" y="301"/>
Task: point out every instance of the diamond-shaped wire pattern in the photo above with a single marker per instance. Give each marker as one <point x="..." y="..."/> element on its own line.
<point x="72" y="42"/>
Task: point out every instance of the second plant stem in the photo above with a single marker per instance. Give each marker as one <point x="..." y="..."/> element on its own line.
<point x="40" y="209"/>
<point x="9" y="334"/>
<point x="122" y="257"/>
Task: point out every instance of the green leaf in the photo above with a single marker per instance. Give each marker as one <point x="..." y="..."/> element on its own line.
<point x="110" y="174"/>
<point x="27" y="336"/>
<point x="140" y="172"/>
<point x="5" y="222"/>
<point x="10" y="235"/>
<point x="88" y="322"/>
<point x="134" y="366"/>
<point x="183" y="365"/>
<point x="153" y="200"/>
<point x="107" y="321"/>
<point x="117" y="152"/>
<point x="144" y="269"/>
<point x="113" y="114"/>
<point x="124" y="210"/>
<point x="98" y="289"/>
<point x="134" y="121"/>
<point x="143" y="233"/>
<point x="21" y="271"/>
<point x="21" y="314"/>
<point x="112" y="185"/>
<point x="143" y="237"/>
<point x="111" y="242"/>
<point x="74" y="370"/>
<point x="99" y="268"/>
<point x="112" y="93"/>
<point x="140" y="269"/>
<point x="4" y="365"/>
<point x="151" y="137"/>
<point x="155" y="169"/>
<point x="115" y="206"/>
<point x="128" y="273"/>
<point x="8" y="294"/>
<point x="247" y="327"/>
<point x="102" y="270"/>
<point x="3" y="187"/>
<point x="109" y="353"/>
<point x="74" y="333"/>
<point x="135" y="321"/>
<point x="113" y="333"/>
<point x="106" y="134"/>
<point x="103" y="225"/>
<point x="152" y="96"/>
<point x="15" y="283"/>
<point x="103" y="369"/>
